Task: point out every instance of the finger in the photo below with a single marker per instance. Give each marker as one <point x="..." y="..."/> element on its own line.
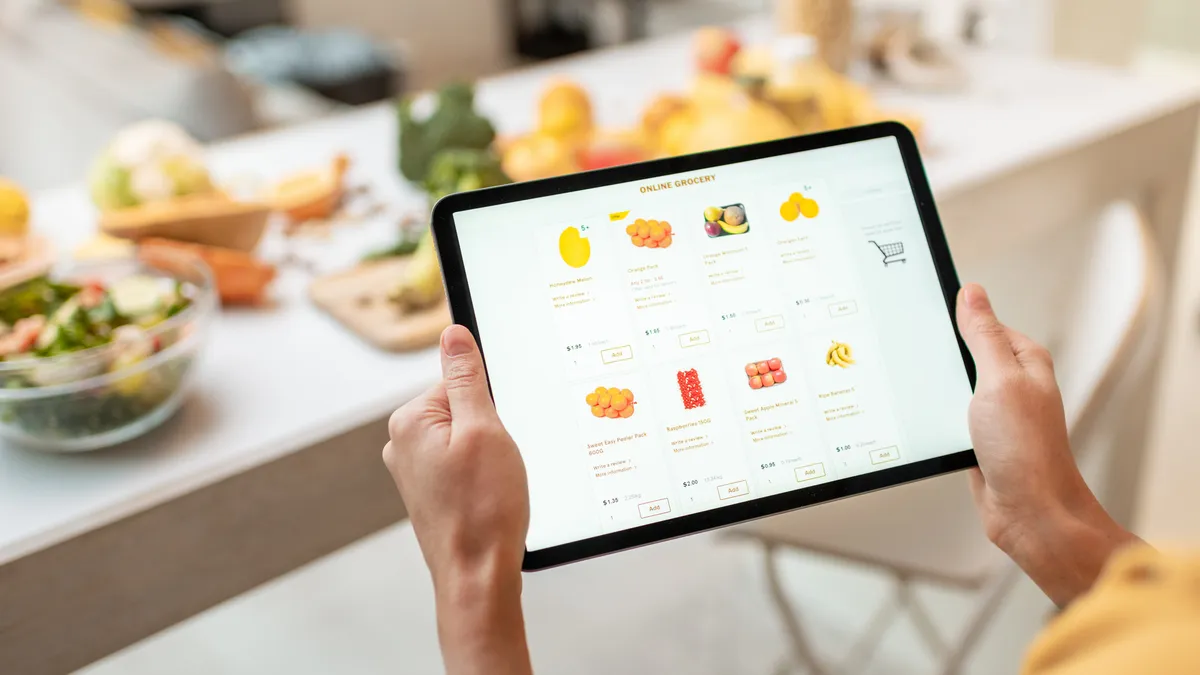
<point x="463" y="375"/>
<point x="1029" y="353"/>
<point x="986" y="337"/>
<point x="428" y="409"/>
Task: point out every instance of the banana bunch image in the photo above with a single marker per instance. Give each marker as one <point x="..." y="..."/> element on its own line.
<point x="840" y="354"/>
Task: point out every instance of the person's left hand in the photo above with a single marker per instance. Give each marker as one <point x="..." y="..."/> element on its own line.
<point x="460" y="473"/>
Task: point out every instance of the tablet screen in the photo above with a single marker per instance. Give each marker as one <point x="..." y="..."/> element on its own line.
<point x="668" y="346"/>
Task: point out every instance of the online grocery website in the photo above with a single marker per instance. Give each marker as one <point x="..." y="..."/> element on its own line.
<point x="668" y="346"/>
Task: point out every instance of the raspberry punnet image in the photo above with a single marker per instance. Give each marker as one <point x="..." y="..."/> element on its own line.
<point x="690" y="389"/>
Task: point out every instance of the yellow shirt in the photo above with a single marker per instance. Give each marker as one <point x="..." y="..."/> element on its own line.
<point x="1141" y="618"/>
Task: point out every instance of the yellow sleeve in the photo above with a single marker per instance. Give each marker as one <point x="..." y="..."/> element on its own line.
<point x="1142" y="616"/>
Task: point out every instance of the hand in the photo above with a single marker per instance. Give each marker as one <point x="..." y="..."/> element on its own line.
<point x="1034" y="503"/>
<point x="463" y="482"/>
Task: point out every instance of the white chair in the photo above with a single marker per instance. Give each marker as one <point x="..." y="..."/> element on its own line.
<point x="929" y="531"/>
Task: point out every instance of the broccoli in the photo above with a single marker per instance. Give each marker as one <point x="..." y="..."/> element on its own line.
<point x="453" y="125"/>
<point x="460" y="170"/>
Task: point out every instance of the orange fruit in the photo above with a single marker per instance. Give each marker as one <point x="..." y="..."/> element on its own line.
<point x="597" y="411"/>
<point x="650" y="243"/>
<point x="666" y="241"/>
<point x="612" y="413"/>
<point x="604" y="400"/>
<point x="618" y="402"/>
<point x="639" y="222"/>
<point x="665" y="226"/>
<point x="652" y="223"/>
<point x="638" y="241"/>
<point x="591" y="398"/>
<point x="613" y="391"/>
<point x="789" y="211"/>
<point x="627" y="394"/>
<point x="627" y="412"/>
<point x="631" y="229"/>
<point x="600" y="390"/>
<point x="643" y="230"/>
<point x="656" y="233"/>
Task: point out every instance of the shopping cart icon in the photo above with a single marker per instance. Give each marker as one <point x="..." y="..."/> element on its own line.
<point x="891" y="252"/>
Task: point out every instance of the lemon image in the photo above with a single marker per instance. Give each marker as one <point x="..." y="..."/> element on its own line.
<point x="574" y="249"/>
<point x="796" y="198"/>
<point x="789" y="211"/>
<point x="809" y="208"/>
<point x="14" y="210"/>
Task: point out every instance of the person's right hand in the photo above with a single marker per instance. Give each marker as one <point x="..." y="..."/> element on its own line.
<point x="1034" y="503"/>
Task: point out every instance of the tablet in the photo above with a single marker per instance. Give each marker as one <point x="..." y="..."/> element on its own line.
<point x="692" y="342"/>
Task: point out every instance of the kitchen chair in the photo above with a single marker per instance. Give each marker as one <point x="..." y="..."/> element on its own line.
<point x="928" y="531"/>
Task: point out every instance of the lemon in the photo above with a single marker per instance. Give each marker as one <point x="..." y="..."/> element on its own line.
<point x="789" y="211"/>
<point x="14" y="210"/>
<point x="809" y="208"/>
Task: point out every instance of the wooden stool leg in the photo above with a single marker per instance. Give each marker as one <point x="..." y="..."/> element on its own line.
<point x="992" y="597"/>
<point x="801" y="649"/>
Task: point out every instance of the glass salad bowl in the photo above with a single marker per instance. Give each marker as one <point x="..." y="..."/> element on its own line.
<point x="97" y="353"/>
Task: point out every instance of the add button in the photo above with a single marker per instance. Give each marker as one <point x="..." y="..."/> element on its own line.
<point x="657" y="507"/>
<point x="810" y="472"/>
<point x="843" y="309"/>
<point x="623" y="353"/>
<point x="693" y="339"/>
<point x="768" y="323"/>
<point x="733" y="490"/>
<point x="885" y="455"/>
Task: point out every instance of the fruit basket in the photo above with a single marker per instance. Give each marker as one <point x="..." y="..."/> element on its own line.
<point x="113" y="349"/>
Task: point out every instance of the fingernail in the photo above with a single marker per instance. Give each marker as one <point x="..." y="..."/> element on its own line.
<point x="457" y="341"/>
<point x="977" y="298"/>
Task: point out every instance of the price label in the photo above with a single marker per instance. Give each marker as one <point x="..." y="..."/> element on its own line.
<point x="803" y="301"/>
<point x="731" y="315"/>
<point x="690" y="483"/>
<point x="652" y="331"/>
<point x="583" y="228"/>
<point x="767" y="465"/>
<point x="573" y="347"/>
<point x="842" y="448"/>
<point x="610" y="501"/>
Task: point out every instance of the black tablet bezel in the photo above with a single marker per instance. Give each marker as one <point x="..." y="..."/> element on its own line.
<point x="458" y="293"/>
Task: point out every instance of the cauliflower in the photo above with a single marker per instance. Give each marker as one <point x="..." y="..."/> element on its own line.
<point x="151" y="161"/>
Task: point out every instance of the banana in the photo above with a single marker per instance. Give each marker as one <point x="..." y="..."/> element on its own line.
<point x="843" y="352"/>
<point x="733" y="229"/>
<point x="421" y="287"/>
<point x="839" y="354"/>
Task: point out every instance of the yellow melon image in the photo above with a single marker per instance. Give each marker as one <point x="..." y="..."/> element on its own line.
<point x="574" y="249"/>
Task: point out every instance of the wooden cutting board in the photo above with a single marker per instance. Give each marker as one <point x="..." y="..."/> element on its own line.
<point x="358" y="299"/>
<point x="36" y="260"/>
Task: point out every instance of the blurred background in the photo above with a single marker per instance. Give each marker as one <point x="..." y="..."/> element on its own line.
<point x="235" y="517"/>
<point x="229" y="67"/>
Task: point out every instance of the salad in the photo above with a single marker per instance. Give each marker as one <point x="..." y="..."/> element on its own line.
<point x="56" y="333"/>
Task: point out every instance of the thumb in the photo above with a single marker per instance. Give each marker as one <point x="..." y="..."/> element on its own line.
<point x="463" y="374"/>
<point x="985" y="336"/>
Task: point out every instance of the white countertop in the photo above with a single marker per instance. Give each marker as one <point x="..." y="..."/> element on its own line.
<point x="274" y="381"/>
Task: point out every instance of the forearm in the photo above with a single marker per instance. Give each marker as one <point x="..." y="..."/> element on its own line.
<point x="480" y="624"/>
<point x="1065" y="551"/>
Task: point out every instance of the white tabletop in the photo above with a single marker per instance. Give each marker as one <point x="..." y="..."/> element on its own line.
<point x="274" y="381"/>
